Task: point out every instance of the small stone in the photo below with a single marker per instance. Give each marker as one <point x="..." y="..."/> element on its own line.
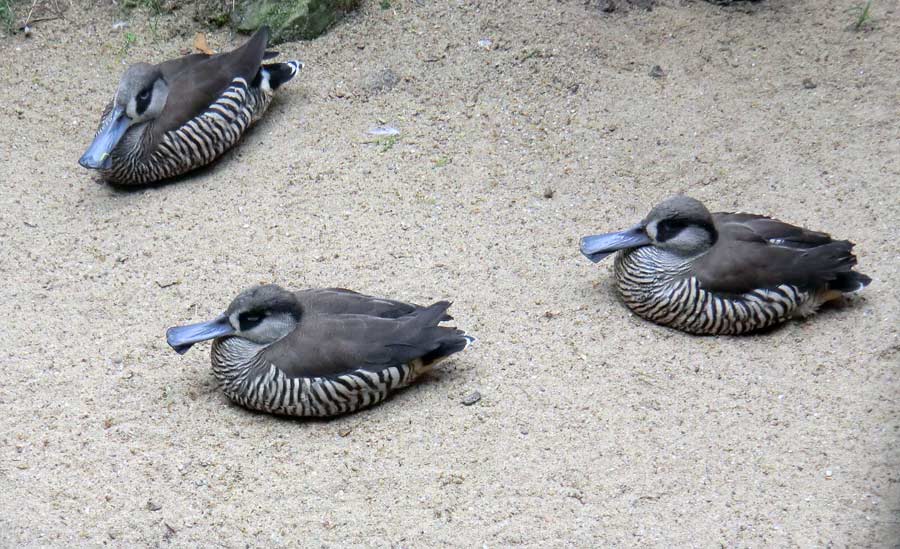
<point x="485" y="43"/>
<point x="828" y="474"/>
<point x="808" y="84"/>
<point x="151" y="506"/>
<point x="657" y="72"/>
<point x="549" y="192"/>
<point x="471" y="399"/>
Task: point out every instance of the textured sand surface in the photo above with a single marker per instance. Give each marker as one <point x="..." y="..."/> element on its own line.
<point x="595" y="428"/>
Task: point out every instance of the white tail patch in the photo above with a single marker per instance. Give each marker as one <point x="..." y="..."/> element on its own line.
<point x="264" y="83"/>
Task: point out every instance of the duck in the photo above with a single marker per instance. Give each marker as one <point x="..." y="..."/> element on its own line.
<point x="168" y="119"/>
<point x="724" y="273"/>
<point x="320" y="352"/>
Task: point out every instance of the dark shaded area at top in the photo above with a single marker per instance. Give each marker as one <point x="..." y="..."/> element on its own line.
<point x="291" y="19"/>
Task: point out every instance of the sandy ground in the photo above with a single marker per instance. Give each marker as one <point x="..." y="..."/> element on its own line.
<point x="595" y="428"/>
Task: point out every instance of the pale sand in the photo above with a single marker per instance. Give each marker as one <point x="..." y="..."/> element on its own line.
<point x="595" y="428"/>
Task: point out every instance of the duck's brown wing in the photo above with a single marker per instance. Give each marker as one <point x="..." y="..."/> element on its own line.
<point x="173" y="67"/>
<point x="332" y="345"/>
<point x="335" y="301"/>
<point x="756" y="252"/>
<point x="196" y="81"/>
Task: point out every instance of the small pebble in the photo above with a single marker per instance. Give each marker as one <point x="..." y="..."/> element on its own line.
<point x="151" y="506"/>
<point x="485" y="43"/>
<point x="549" y="192"/>
<point x="471" y="399"/>
<point x="809" y="84"/>
<point x="657" y="72"/>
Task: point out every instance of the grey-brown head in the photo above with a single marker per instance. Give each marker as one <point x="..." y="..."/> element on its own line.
<point x="680" y="225"/>
<point x="262" y="314"/>
<point x="140" y="97"/>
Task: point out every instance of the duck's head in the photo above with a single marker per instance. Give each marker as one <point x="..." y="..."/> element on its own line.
<point x="140" y="97"/>
<point x="262" y="314"/>
<point x="680" y="225"/>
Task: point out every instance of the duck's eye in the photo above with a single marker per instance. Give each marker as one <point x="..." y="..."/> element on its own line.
<point x="144" y="95"/>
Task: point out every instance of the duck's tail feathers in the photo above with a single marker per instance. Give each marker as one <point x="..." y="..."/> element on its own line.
<point x="433" y="314"/>
<point x="448" y="345"/>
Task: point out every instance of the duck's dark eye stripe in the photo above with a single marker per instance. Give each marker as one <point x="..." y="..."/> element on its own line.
<point x="143" y="100"/>
<point x="250" y="320"/>
<point x="668" y="228"/>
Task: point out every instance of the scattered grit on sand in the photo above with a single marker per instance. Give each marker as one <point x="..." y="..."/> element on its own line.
<point x="523" y="127"/>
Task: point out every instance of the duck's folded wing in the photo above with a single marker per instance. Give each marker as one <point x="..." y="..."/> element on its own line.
<point x="173" y="67"/>
<point x="335" y="345"/>
<point x="197" y="80"/>
<point x="755" y="252"/>
<point x="338" y="301"/>
<point x="755" y="227"/>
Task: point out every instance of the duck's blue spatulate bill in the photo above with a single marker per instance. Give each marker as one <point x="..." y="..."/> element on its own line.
<point x="97" y="156"/>
<point x="181" y="338"/>
<point x="596" y="247"/>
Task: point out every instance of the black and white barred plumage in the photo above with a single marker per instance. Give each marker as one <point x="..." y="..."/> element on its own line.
<point x="248" y="380"/>
<point x="661" y="290"/>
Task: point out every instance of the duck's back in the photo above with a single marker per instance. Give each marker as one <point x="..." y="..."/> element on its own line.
<point x="755" y="252"/>
<point x="197" y="81"/>
<point x="339" y="301"/>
